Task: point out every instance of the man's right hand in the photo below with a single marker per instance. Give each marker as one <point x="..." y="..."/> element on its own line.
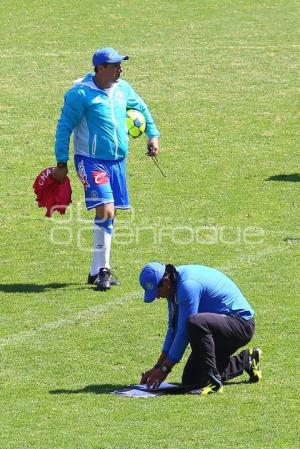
<point x="59" y="174"/>
<point x="146" y="375"/>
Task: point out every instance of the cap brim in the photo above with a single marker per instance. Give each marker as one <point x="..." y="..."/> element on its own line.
<point x="119" y="59"/>
<point x="150" y="296"/>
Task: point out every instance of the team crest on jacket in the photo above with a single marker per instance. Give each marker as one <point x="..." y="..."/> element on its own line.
<point x="120" y="96"/>
<point x="100" y="177"/>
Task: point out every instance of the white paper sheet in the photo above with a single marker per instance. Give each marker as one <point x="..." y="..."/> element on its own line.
<point x="142" y="391"/>
<point x="163" y="386"/>
<point x="136" y="393"/>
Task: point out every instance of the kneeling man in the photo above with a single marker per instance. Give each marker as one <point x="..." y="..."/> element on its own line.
<point x="208" y="310"/>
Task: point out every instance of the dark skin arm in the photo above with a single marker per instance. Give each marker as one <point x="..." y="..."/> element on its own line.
<point x="59" y="174"/>
<point x="155" y="376"/>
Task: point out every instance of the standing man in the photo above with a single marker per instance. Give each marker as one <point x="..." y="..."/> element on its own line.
<point x="95" y="111"/>
<point x="207" y="310"/>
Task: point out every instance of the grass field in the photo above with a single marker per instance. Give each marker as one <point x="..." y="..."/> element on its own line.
<point x="222" y="80"/>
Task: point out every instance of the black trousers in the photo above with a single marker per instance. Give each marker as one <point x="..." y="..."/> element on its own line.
<point x="213" y="339"/>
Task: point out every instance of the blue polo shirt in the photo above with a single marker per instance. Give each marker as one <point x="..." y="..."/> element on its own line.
<point x="200" y="289"/>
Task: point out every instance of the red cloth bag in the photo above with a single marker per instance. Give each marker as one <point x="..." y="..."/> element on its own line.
<point x="51" y="194"/>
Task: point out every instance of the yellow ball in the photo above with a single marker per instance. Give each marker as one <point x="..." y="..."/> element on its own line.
<point x="136" y="123"/>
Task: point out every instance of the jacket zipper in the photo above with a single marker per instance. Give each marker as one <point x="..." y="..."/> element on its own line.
<point x="94" y="146"/>
<point x="114" y="122"/>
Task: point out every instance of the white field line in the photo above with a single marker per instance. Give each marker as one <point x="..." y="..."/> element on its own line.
<point x="87" y="315"/>
<point x="94" y="313"/>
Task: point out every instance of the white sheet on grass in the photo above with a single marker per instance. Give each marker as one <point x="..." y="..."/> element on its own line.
<point x="163" y="386"/>
<point x="142" y="391"/>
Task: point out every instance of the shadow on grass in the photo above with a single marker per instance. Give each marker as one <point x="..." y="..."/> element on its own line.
<point x="292" y="177"/>
<point x="96" y="389"/>
<point x="109" y="388"/>
<point x="292" y="240"/>
<point x="32" y="288"/>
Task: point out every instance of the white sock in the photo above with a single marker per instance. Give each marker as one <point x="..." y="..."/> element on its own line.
<point x="102" y="245"/>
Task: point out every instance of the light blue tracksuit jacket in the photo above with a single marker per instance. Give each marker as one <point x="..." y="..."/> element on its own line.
<point x="97" y="119"/>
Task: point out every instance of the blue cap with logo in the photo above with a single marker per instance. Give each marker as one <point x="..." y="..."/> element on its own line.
<point x="150" y="277"/>
<point x="107" y="55"/>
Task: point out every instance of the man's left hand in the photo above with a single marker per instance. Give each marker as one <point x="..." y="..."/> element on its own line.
<point x="152" y="146"/>
<point x="156" y="378"/>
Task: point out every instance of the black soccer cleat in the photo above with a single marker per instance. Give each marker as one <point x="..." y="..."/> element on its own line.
<point x="92" y="278"/>
<point x="209" y="389"/>
<point x="103" y="280"/>
<point x="113" y="279"/>
<point x="254" y="371"/>
<point x="214" y="385"/>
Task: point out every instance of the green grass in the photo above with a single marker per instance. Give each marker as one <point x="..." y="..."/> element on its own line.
<point x="222" y="80"/>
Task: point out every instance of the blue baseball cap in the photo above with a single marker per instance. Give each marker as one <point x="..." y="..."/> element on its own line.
<point x="107" y="55"/>
<point x="150" y="277"/>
